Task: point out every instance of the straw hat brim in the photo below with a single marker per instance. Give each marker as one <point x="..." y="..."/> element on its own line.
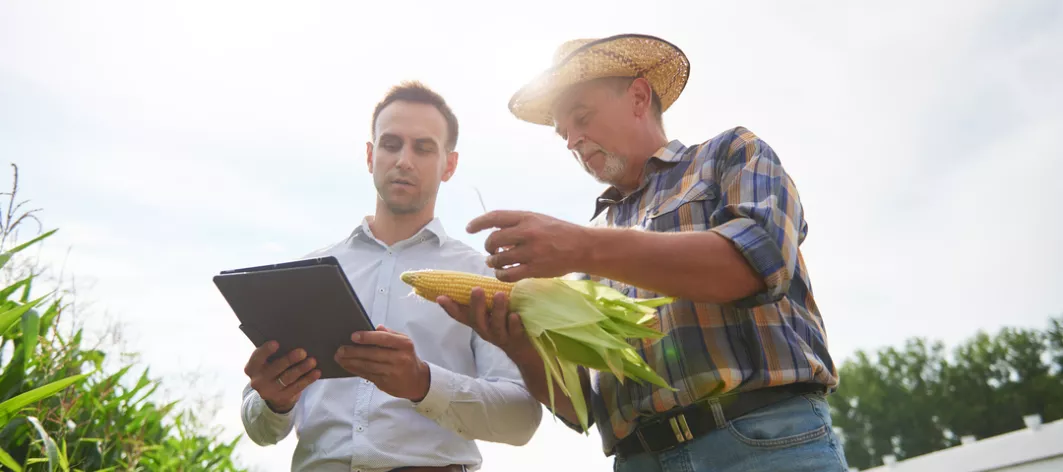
<point x="662" y="63"/>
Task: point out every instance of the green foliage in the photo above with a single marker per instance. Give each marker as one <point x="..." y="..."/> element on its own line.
<point x="916" y="400"/>
<point x="61" y="410"/>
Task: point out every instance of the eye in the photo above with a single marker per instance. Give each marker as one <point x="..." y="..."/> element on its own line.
<point x="426" y="147"/>
<point x="391" y="144"/>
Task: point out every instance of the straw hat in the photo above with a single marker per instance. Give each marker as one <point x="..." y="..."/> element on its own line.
<point x="627" y="55"/>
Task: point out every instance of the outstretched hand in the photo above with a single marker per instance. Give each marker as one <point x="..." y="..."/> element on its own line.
<point x="535" y="245"/>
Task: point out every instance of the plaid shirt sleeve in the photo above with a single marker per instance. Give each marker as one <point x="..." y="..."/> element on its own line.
<point x="759" y="211"/>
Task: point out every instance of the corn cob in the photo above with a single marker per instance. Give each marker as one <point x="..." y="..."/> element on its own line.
<point x="430" y="284"/>
<point x="569" y="322"/>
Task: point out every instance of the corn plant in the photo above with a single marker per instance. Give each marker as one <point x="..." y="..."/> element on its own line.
<point x="61" y="410"/>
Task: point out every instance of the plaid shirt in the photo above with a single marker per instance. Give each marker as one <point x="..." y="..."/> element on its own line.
<point x="733" y="185"/>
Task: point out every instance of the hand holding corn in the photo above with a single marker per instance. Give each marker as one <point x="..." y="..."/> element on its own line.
<point x="568" y="323"/>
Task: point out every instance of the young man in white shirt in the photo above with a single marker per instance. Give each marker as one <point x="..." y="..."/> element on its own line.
<point x="427" y="386"/>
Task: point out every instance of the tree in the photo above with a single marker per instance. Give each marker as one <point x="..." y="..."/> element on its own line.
<point x="915" y="400"/>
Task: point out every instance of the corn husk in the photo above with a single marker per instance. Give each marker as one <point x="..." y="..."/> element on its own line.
<point x="582" y="323"/>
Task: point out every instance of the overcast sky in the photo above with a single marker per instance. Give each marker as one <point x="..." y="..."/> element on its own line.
<point x="168" y="142"/>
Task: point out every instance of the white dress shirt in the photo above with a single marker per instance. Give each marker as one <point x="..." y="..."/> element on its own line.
<point x="476" y="391"/>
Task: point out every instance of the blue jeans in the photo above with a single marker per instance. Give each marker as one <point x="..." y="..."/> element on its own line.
<point x="790" y="436"/>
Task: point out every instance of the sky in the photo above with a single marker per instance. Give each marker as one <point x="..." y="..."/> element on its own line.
<point x="167" y="142"/>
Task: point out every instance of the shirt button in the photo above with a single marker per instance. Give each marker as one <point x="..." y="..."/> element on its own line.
<point x="382" y="290"/>
<point x="360" y="429"/>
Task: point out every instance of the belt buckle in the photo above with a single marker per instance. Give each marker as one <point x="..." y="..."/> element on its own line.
<point x="679" y="427"/>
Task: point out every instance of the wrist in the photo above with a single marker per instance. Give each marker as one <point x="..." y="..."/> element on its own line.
<point x="424" y="382"/>
<point x="589" y="254"/>
<point x="278" y="409"/>
<point x="524" y="355"/>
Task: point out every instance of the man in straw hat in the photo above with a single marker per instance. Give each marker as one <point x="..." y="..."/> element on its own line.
<point x="718" y="226"/>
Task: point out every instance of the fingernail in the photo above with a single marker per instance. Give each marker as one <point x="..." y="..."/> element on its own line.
<point x="300" y="353"/>
<point x="356" y="337"/>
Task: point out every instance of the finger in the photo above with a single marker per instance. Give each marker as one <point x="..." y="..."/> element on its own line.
<point x="458" y="312"/>
<point x="366" y="354"/>
<point x="514" y="274"/>
<point x="494" y="219"/>
<point x="498" y="317"/>
<point x="258" y="357"/>
<point x="478" y="308"/>
<point x="386" y="339"/>
<point x="516" y="326"/>
<point x="366" y="369"/>
<point x="294" y="373"/>
<point x="274" y="369"/>
<point x="503" y="238"/>
<point x="296" y="388"/>
<point x="508" y="258"/>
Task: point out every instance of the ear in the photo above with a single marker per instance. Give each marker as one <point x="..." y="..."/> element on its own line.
<point x="369" y="156"/>
<point x="452" y="165"/>
<point x="641" y="97"/>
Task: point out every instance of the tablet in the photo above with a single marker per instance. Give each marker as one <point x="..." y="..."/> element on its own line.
<point x="306" y="304"/>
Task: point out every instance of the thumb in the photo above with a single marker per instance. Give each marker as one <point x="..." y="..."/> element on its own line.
<point x="382" y="328"/>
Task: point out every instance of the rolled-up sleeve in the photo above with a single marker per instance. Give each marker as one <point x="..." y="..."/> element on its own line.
<point x="264" y="426"/>
<point x="760" y="212"/>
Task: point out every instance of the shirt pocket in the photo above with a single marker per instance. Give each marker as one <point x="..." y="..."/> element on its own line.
<point x="686" y="210"/>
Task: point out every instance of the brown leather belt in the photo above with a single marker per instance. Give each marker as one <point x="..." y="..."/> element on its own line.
<point x="659" y="434"/>
<point x="445" y="468"/>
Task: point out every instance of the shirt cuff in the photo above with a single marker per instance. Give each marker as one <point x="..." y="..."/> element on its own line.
<point x="263" y="412"/>
<point x="763" y="254"/>
<point x="440" y="393"/>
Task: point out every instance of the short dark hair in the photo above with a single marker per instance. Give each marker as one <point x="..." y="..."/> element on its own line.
<point x="414" y="91"/>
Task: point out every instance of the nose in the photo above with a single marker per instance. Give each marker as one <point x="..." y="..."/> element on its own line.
<point x="405" y="158"/>
<point x="573" y="141"/>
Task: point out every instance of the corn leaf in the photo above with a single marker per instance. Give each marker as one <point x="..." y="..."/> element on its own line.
<point x="50" y="449"/>
<point x="30" y="333"/>
<point x="10" y="289"/>
<point x="12" y="405"/>
<point x="5" y="257"/>
<point x="9" y="461"/>
<point x="9" y="317"/>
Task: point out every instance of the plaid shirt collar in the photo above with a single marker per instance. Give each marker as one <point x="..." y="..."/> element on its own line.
<point x="666" y="156"/>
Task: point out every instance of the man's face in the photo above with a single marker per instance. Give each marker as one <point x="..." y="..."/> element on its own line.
<point x="596" y="119"/>
<point x="409" y="158"/>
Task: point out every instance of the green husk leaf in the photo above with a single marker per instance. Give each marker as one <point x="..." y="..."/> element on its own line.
<point x="552" y="373"/>
<point x="636" y="367"/>
<point x="577" y="352"/>
<point x="594" y="335"/>
<point x="601" y="292"/>
<point x="630" y="330"/>
<point x="574" y="385"/>
<point x="655" y="302"/>
<point x="549" y="304"/>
